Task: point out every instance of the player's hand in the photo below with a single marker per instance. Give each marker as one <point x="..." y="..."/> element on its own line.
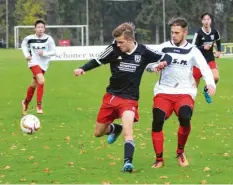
<point x="211" y="90"/>
<point x="40" y="52"/>
<point x="157" y="70"/>
<point x="161" y="65"/>
<point x="29" y="58"/>
<point x="207" y="46"/>
<point x="217" y="54"/>
<point x="78" y="72"/>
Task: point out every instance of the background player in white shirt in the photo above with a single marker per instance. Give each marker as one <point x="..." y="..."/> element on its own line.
<point x="37" y="49"/>
<point x="176" y="89"/>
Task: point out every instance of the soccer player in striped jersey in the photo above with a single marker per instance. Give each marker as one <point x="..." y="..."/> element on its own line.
<point x="127" y="60"/>
<point x="37" y="50"/>
<point x="204" y="39"/>
<point x="176" y="89"/>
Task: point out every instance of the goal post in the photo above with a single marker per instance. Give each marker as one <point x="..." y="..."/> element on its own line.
<point x="80" y="38"/>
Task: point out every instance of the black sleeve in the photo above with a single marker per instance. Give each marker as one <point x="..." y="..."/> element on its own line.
<point x="167" y="58"/>
<point x="197" y="41"/>
<point x="110" y="54"/>
<point x="90" y="65"/>
<point x="218" y="41"/>
<point x="157" y="56"/>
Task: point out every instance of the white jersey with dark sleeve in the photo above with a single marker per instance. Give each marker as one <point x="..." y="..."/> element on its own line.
<point x="30" y="46"/>
<point x="177" y="78"/>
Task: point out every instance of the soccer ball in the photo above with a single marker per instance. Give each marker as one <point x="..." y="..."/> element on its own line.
<point x="29" y="124"/>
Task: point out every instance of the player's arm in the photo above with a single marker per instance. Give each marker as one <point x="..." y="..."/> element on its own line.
<point x="107" y="56"/>
<point x="152" y="67"/>
<point x="51" y="48"/>
<point x="218" y="43"/>
<point x="197" y="42"/>
<point x="25" y="48"/>
<point x="158" y="58"/>
<point x="201" y="63"/>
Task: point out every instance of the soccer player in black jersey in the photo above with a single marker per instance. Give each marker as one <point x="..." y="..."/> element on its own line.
<point x="127" y="60"/>
<point x="204" y="39"/>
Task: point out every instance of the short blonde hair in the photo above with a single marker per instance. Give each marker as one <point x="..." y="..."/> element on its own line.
<point x="178" y="21"/>
<point x="127" y="29"/>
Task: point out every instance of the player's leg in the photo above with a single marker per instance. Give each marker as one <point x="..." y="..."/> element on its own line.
<point x="127" y="110"/>
<point x="30" y="93"/>
<point x="120" y="105"/>
<point x="214" y="68"/>
<point x="114" y="133"/>
<point x="106" y="116"/>
<point x="184" y="109"/>
<point x="215" y="73"/>
<point x="102" y="129"/>
<point x="40" y="91"/>
<point x="128" y="118"/>
<point x="162" y="109"/>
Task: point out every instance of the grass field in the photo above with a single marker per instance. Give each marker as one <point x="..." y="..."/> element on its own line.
<point x="65" y="150"/>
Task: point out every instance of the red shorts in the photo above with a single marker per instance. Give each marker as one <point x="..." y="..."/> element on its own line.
<point x="113" y="107"/>
<point x="197" y="73"/>
<point x="172" y="102"/>
<point x="36" y="70"/>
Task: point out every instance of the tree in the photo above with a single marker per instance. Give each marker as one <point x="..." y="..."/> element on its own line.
<point x="27" y="11"/>
<point x="2" y="18"/>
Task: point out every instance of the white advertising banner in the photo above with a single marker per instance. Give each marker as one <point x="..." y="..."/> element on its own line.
<point x="81" y="52"/>
<point x="78" y="52"/>
<point x="91" y="52"/>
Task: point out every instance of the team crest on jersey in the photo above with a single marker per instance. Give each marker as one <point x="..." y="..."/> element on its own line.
<point x="212" y="37"/>
<point x="137" y="58"/>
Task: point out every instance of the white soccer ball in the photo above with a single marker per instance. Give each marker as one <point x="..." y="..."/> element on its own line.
<point x="29" y="124"/>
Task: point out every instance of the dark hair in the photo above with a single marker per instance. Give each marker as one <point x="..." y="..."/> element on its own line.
<point x="204" y="14"/>
<point x="127" y="29"/>
<point x="39" y="22"/>
<point x="178" y="21"/>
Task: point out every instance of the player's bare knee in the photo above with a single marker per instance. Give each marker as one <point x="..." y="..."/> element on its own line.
<point x="33" y="82"/>
<point x="101" y="129"/>
<point x="158" y="119"/>
<point x="185" y="114"/>
<point x="98" y="133"/>
<point x="41" y="81"/>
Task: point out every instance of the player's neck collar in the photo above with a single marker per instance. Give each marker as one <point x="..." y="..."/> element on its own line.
<point x="129" y="53"/>
<point x="207" y="33"/>
<point x="183" y="45"/>
<point x="40" y="36"/>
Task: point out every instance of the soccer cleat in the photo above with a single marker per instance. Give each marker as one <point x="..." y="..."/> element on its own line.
<point x="128" y="167"/>
<point x="183" y="162"/>
<point x="39" y="109"/>
<point x="24" y="108"/>
<point x="207" y="97"/>
<point x="158" y="164"/>
<point x="113" y="137"/>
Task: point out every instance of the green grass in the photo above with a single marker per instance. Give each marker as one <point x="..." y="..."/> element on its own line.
<point x="65" y="150"/>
